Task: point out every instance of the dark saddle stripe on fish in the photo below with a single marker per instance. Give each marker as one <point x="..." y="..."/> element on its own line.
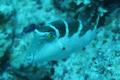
<point x="73" y="26"/>
<point x="60" y="26"/>
<point x="46" y="29"/>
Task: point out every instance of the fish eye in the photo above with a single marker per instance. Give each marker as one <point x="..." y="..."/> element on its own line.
<point x="51" y="36"/>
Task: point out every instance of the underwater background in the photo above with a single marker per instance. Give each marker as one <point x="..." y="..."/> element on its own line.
<point x="21" y="57"/>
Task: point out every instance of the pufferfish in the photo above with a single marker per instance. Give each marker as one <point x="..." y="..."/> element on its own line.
<point x="58" y="40"/>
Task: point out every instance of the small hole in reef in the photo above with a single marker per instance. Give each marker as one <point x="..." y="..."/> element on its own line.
<point x="63" y="48"/>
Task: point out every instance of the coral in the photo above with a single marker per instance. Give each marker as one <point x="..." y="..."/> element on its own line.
<point x="6" y="13"/>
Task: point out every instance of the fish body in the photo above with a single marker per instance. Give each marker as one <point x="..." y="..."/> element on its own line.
<point x="66" y="39"/>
